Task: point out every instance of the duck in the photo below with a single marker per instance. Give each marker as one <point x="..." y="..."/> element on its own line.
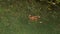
<point x="33" y="18"/>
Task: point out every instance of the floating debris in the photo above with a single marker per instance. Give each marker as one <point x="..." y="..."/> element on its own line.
<point x="49" y="9"/>
<point x="41" y="22"/>
<point x="54" y="3"/>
